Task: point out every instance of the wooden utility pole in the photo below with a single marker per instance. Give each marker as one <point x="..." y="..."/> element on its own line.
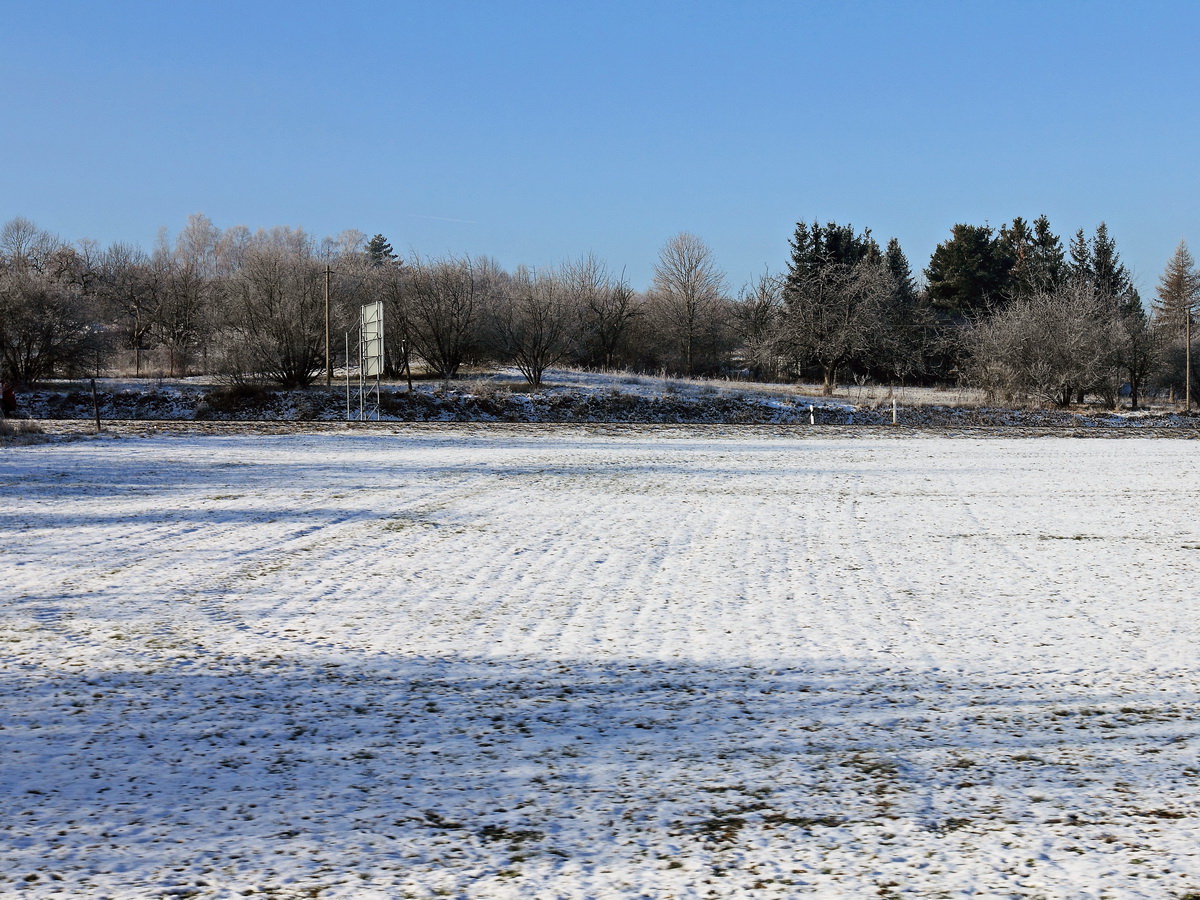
<point x="328" y="358"/>
<point x="95" y="406"/>
<point x="1187" y="359"/>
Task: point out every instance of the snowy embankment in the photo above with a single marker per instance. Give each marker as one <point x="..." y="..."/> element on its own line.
<point x="492" y="664"/>
<point x="573" y="398"/>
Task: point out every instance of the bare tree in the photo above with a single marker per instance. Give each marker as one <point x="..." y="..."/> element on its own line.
<point x="273" y="321"/>
<point x="347" y="247"/>
<point x="607" y="307"/>
<point x="236" y="241"/>
<point x="188" y="277"/>
<point x="46" y="328"/>
<point x="756" y="315"/>
<point x="532" y="320"/>
<point x="445" y="310"/>
<point x="833" y="315"/>
<point x="130" y="291"/>
<point x="1139" y="352"/>
<point x="47" y="320"/>
<point x="25" y="246"/>
<point x="1051" y="345"/>
<point x="196" y="245"/>
<point x="689" y="295"/>
<point x="183" y="315"/>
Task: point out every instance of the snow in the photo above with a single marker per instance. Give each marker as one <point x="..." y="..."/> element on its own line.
<point x="498" y="662"/>
<point x="570" y="396"/>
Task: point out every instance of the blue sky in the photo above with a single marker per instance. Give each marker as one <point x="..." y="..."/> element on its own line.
<point x="534" y="132"/>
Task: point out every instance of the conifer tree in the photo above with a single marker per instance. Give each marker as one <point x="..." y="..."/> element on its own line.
<point x="1178" y="290"/>
<point x="1113" y="281"/>
<point x="897" y="264"/>
<point x="1017" y="241"/>
<point x="1096" y="268"/>
<point x="1047" y="262"/>
<point x="1080" y="270"/>
<point x="905" y="322"/>
<point x="815" y="248"/>
<point x="1178" y="297"/>
<point x="969" y="273"/>
<point x="379" y="251"/>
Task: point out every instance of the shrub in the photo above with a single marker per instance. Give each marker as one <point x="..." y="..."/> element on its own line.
<point x="238" y="398"/>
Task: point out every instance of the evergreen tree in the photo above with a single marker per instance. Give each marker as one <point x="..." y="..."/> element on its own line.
<point x="1016" y="241"/>
<point x="1080" y="269"/>
<point x="1178" y="291"/>
<point x="968" y="273"/>
<point x="1112" y="281"/>
<point x="1096" y="268"/>
<point x="1178" y="297"/>
<point x="904" y="324"/>
<point x="806" y="257"/>
<point x="814" y="248"/>
<point x="1048" y="267"/>
<point x="379" y="251"/>
<point x="897" y="264"/>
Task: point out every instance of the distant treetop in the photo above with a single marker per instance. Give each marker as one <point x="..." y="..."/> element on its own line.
<point x="379" y="251"/>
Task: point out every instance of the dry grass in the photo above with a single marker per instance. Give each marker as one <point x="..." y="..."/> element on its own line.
<point x="860" y="395"/>
<point x="20" y="431"/>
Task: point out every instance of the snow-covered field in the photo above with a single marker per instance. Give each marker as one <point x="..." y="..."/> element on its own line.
<point x="493" y="663"/>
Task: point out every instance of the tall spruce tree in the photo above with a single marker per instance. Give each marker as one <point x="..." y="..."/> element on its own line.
<point x="1038" y="263"/>
<point x="379" y="251"/>
<point x="1178" y="291"/>
<point x="1113" y="283"/>
<point x="1096" y="268"/>
<point x="1016" y="241"/>
<point x="1080" y="268"/>
<point x="1047" y="267"/>
<point x="905" y="290"/>
<point x="905" y="322"/>
<point x="816" y="247"/>
<point x="969" y="273"/>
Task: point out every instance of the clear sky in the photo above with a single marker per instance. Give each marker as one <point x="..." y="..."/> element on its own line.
<point x="534" y="132"/>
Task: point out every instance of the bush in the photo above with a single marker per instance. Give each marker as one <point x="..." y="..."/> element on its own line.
<point x="238" y="398"/>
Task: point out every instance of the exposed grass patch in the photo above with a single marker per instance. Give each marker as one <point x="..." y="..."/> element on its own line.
<point x="20" y="431"/>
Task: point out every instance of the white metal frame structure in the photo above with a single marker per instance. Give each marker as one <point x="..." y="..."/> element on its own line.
<point x="370" y="358"/>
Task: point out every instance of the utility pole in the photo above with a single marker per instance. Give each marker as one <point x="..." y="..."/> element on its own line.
<point x="328" y="358"/>
<point x="1187" y="358"/>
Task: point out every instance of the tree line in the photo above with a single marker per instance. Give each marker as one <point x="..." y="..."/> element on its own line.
<point x="1010" y="310"/>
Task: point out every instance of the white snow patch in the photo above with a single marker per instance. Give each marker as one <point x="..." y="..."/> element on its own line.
<point x="489" y="664"/>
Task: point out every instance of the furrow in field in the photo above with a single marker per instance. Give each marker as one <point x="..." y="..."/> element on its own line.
<point x="600" y="667"/>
